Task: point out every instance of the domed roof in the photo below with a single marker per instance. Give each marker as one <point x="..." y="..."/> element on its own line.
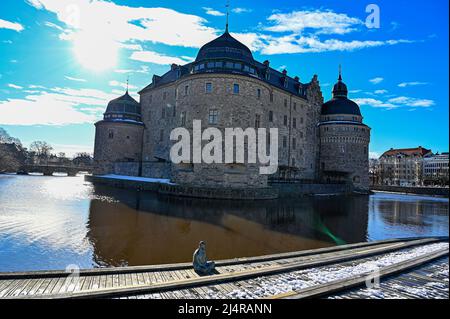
<point x="225" y="46"/>
<point x="340" y="104"/>
<point x="124" y="107"/>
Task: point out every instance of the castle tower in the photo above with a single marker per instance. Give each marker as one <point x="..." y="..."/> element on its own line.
<point x="344" y="141"/>
<point x="118" y="137"/>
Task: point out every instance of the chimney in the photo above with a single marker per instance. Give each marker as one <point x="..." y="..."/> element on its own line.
<point x="284" y="72"/>
<point x="173" y="66"/>
<point x="296" y="79"/>
<point x="266" y="63"/>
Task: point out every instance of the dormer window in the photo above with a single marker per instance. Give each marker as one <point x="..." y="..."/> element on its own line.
<point x="286" y="83"/>
<point x="267" y="75"/>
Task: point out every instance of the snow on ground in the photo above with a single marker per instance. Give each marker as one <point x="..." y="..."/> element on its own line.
<point x="139" y="179"/>
<point x="272" y="285"/>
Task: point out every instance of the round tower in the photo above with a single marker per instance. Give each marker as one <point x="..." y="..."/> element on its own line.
<point x="118" y="138"/>
<point x="344" y="141"/>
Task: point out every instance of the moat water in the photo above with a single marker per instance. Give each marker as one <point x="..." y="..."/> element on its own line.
<point x="53" y="222"/>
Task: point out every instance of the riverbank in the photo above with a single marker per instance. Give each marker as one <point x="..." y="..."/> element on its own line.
<point x="432" y="191"/>
<point x="274" y="191"/>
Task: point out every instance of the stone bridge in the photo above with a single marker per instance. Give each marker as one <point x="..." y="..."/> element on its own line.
<point x="49" y="169"/>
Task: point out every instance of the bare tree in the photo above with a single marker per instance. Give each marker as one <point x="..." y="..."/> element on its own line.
<point x="42" y="149"/>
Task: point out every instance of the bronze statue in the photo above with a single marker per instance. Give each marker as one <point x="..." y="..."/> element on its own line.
<point x="200" y="262"/>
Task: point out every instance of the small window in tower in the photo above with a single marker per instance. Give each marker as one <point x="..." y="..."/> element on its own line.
<point x="294" y="122"/>
<point x="110" y="134"/>
<point x="161" y="135"/>
<point x="295" y="106"/>
<point x="285" y="120"/>
<point x="208" y="87"/>
<point x="285" y="102"/>
<point x="213" y="117"/>
<point x="183" y="118"/>
<point x="186" y="90"/>
<point x="271" y="97"/>
<point x="257" y="120"/>
<point x="294" y="143"/>
<point x="284" y="141"/>
<point x="236" y="88"/>
<point x="270" y="116"/>
<point x="258" y="93"/>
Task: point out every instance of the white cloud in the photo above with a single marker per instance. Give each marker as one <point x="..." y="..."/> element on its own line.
<point x="354" y="91"/>
<point x="397" y="102"/>
<point x="56" y="106"/>
<point x="11" y="25"/>
<point x="123" y="24"/>
<point x="241" y="10"/>
<point x="143" y="69"/>
<point x="14" y="86"/>
<point x="374" y="155"/>
<point x="380" y="91"/>
<point x="410" y="101"/>
<point x="376" y="80"/>
<point x="405" y="84"/>
<point x="74" y="79"/>
<point x="374" y="103"/>
<point x="157" y="58"/>
<point x="323" y="22"/>
<point x="213" y="12"/>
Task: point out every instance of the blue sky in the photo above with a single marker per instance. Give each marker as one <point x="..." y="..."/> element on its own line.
<point x="63" y="60"/>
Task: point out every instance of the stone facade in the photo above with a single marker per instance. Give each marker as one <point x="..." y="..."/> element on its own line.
<point x="116" y="142"/>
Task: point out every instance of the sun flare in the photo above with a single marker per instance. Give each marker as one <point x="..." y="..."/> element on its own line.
<point x="95" y="52"/>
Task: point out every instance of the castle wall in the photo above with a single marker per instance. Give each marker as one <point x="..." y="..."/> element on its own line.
<point x="344" y="148"/>
<point x="164" y="107"/>
<point x="116" y="142"/>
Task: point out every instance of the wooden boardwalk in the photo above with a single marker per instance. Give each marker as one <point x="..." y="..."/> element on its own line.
<point x="340" y="271"/>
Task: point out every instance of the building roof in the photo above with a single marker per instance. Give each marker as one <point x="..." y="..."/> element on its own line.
<point x="227" y="49"/>
<point x="123" y="108"/>
<point x="417" y="151"/>
<point x="340" y="104"/>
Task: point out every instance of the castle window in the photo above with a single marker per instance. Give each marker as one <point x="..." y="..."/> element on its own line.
<point x="301" y="120"/>
<point x="161" y="135"/>
<point x="284" y="141"/>
<point x="270" y="116"/>
<point x="246" y="68"/>
<point x="201" y="66"/>
<point x="183" y="118"/>
<point x="208" y="87"/>
<point x="110" y="134"/>
<point x="293" y="161"/>
<point x="258" y="93"/>
<point x="238" y="66"/>
<point x="301" y="134"/>
<point x="174" y="111"/>
<point x="252" y="70"/>
<point x="229" y="65"/>
<point x="285" y="120"/>
<point x="267" y="75"/>
<point x="294" y="122"/>
<point x="271" y="97"/>
<point x="301" y="151"/>
<point x="285" y="102"/>
<point x="286" y="83"/>
<point x="257" y="120"/>
<point x="236" y="88"/>
<point x="186" y="90"/>
<point x="150" y="99"/>
<point x="163" y="113"/>
<point x="365" y="150"/>
<point x="164" y="95"/>
<point x="210" y="64"/>
<point x="295" y="106"/>
<point x="294" y="143"/>
<point x="213" y="117"/>
<point x="219" y="64"/>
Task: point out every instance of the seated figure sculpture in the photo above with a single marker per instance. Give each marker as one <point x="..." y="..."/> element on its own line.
<point x="201" y="265"/>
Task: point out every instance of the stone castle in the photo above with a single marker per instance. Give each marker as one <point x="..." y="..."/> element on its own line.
<point x="225" y="87"/>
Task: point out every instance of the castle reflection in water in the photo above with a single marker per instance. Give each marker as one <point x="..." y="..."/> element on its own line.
<point x="136" y="228"/>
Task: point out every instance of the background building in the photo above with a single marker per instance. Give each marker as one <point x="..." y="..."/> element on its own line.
<point x="435" y="169"/>
<point x="402" y="167"/>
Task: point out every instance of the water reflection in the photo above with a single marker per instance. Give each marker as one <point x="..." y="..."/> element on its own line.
<point x="50" y="222"/>
<point x="147" y="229"/>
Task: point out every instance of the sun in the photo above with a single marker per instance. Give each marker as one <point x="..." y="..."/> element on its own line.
<point x="96" y="52"/>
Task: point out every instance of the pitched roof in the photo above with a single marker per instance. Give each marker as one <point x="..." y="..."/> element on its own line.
<point x="407" y="151"/>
